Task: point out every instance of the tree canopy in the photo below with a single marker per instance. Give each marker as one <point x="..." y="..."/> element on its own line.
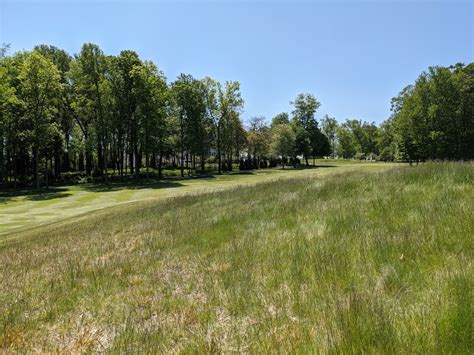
<point x="96" y="116"/>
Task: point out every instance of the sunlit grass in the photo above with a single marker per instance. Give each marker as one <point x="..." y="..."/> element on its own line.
<point x="361" y="261"/>
<point x="28" y="209"/>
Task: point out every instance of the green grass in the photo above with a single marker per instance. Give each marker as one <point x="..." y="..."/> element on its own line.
<point x="373" y="261"/>
<point x="57" y="204"/>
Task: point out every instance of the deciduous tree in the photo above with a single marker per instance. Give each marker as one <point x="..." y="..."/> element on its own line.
<point x="40" y="84"/>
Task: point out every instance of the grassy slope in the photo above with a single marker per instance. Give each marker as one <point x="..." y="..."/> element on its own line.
<point x="379" y="261"/>
<point x="31" y="210"/>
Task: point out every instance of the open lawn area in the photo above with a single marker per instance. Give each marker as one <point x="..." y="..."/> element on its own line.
<point x="28" y="209"/>
<point x="369" y="260"/>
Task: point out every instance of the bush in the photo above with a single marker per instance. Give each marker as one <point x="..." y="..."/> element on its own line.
<point x="359" y="156"/>
<point x="386" y="154"/>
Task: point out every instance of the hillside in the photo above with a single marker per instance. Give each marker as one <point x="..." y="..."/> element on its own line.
<point x="374" y="261"/>
<point x="29" y="208"/>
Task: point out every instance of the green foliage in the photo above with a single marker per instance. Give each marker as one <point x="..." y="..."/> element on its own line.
<point x="107" y="116"/>
<point x="346" y="148"/>
<point x="195" y="126"/>
<point x="39" y="89"/>
<point x="329" y="128"/>
<point x="357" y="139"/>
<point x="152" y="96"/>
<point x="309" y="140"/>
<point x="89" y="75"/>
<point x="305" y="106"/>
<point x="387" y="142"/>
<point x="258" y="138"/>
<point x="8" y="102"/>
<point x="434" y="118"/>
<point x="281" y="118"/>
<point x="283" y="141"/>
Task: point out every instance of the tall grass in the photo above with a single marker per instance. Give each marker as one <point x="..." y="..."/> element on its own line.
<point x="356" y="262"/>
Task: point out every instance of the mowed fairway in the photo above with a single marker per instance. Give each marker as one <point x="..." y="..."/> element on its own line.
<point x="376" y="261"/>
<point x="31" y="209"/>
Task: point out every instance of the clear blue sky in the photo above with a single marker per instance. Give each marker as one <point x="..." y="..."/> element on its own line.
<point x="353" y="55"/>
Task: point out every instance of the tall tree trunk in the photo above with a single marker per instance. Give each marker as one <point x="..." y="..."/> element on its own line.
<point x="102" y="159"/>
<point x="89" y="162"/>
<point x="219" y="149"/>
<point x="100" y="155"/>
<point x="37" y="168"/>
<point x="182" y="162"/>
<point x="104" y="163"/>
<point x="203" y="164"/>
<point x="66" y="161"/>
<point x="187" y="161"/>
<point x="138" y="160"/>
<point x="130" y="157"/>
<point x="2" y="163"/>
<point x="147" y="164"/>
<point x="120" y="160"/>
<point x="15" y="168"/>
<point x="182" y="145"/>
<point x="46" y="173"/>
<point x="153" y="160"/>
<point x="80" y="165"/>
<point x="89" y="157"/>
<point x="160" y="166"/>
<point x="125" y="161"/>
<point x="56" y="167"/>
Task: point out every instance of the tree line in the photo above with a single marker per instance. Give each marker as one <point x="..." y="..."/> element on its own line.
<point x="92" y="115"/>
<point x="103" y="116"/>
<point x="431" y="119"/>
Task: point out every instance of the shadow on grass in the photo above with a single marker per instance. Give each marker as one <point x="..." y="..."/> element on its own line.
<point x="240" y="172"/>
<point x="35" y="195"/>
<point x="136" y="184"/>
<point x="303" y="167"/>
<point x="43" y="196"/>
<point x="317" y="166"/>
<point x="133" y="185"/>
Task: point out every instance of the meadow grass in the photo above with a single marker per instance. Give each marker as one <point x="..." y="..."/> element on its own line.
<point x="29" y="208"/>
<point x="360" y="261"/>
